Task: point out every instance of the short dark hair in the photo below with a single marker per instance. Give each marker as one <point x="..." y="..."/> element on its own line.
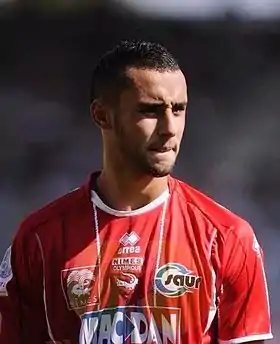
<point x="109" y="73"/>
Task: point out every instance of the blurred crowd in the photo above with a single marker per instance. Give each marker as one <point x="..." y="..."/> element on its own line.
<point x="231" y="147"/>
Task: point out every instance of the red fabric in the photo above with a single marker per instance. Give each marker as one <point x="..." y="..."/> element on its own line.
<point x="204" y="245"/>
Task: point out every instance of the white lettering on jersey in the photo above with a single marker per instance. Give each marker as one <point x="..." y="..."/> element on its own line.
<point x="129" y="250"/>
<point x="128" y="261"/>
<point x="121" y="324"/>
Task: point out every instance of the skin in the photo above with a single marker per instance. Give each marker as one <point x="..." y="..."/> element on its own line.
<point x="141" y="136"/>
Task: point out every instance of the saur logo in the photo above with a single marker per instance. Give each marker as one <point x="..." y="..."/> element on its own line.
<point x="175" y="280"/>
<point x="131" y="324"/>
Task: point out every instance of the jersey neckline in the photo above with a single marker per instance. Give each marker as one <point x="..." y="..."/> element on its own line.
<point x="97" y="201"/>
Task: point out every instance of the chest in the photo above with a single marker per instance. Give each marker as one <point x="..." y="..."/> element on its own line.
<point x="142" y="277"/>
<point x="140" y="261"/>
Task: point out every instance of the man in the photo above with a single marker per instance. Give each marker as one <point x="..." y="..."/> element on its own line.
<point x="135" y="255"/>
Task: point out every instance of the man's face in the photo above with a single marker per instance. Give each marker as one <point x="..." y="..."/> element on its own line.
<point x="150" y="122"/>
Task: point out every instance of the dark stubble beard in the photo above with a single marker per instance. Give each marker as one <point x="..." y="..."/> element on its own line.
<point x="136" y="159"/>
<point x="139" y="162"/>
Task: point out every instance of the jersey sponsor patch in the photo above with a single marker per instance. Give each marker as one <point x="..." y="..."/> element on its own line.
<point x="127" y="281"/>
<point x="131" y="324"/>
<point x="127" y="263"/>
<point x="128" y="244"/>
<point x="129" y="239"/>
<point x="6" y="273"/>
<point x="78" y="287"/>
<point x="174" y="280"/>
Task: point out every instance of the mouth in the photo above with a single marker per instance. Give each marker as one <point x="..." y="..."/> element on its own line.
<point x="162" y="149"/>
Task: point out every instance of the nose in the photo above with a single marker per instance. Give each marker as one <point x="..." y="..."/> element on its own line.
<point x="167" y="123"/>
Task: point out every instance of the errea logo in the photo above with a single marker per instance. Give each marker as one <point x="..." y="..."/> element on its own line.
<point x="128" y="242"/>
<point x="174" y="280"/>
<point x="129" y="239"/>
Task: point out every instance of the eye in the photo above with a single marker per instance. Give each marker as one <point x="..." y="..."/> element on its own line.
<point x="179" y="109"/>
<point x="149" y="110"/>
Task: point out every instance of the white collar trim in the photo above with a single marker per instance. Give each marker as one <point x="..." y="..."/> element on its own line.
<point x="97" y="201"/>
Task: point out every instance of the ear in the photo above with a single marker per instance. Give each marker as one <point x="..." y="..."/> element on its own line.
<point x="100" y="114"/>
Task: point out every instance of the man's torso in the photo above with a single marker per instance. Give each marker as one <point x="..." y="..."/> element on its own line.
<point x="144" y="278"/>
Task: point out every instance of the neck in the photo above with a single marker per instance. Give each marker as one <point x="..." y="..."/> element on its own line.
<point x="123" y="191"/>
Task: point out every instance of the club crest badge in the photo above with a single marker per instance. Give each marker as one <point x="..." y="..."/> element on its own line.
<point x="78" y="287"/>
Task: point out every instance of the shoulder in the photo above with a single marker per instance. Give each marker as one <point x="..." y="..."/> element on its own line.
<point x="226" y="222"/>
<point x="52" y="212"/>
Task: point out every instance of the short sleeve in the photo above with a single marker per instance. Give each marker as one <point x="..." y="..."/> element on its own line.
<point x="22" y="317"/>
<point x="243" y="309"/>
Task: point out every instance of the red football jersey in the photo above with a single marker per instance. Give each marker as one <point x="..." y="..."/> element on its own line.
<point x="179" y="270"/>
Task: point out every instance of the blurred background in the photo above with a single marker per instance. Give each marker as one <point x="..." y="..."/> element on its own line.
<point x="230" y="52"/>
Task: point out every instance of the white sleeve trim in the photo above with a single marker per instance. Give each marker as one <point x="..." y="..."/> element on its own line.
<point x="44" y="289"/>
<point x="246" y="339"/>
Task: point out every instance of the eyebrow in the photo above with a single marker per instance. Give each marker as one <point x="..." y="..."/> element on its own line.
<point x="180" y="104"/>
<point x="159" y="104"/>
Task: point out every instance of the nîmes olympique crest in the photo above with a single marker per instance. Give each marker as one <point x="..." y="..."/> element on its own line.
<point x="78" y="284"/>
